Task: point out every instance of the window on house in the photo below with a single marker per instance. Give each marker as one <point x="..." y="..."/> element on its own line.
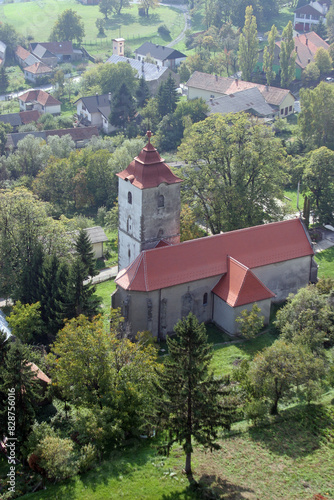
<point x="129" y="225"/>
<point x="205" y="299"/>
<point x="282" y="111"/>
<point x="161" y="201"/>
<point x="130" y="198"/>
<point x="286" y="110"/>
<point x="290" y="109"/>
<point x="129" y="253"/>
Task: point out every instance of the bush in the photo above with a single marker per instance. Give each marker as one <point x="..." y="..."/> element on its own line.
<point x="163" y="31"/>
<point x="57" y="458"/>
<point x="87" y="458"/>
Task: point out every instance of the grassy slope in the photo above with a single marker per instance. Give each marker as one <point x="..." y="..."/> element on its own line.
<point x="325" y="260"/>
<point x="36" y="19"/>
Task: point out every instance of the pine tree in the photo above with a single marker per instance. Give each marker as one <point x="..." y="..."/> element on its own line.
<point x="53" y="294"/>
<point x="268" y="55"/>
<point x="19" y="378"/>
<point x="167" y="97"/>
<point x="84" y="249"/>
<point x="287" y="56"/>
<point x="123" y="108"/>
<point x="248" y="45"/>
<point x="142" y="93"/>
<point x="81" y="298"/>
<point x="4" y="81"/>
<point x="31" y="273"/>
<point x="189" y="399"/>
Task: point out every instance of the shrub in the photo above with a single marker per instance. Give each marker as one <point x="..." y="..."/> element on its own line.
<point x="57" y="458"/>
<point x="87" y="458"/>
<point x="163" y="31"/>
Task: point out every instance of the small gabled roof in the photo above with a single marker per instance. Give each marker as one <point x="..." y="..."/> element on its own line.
<point x="240" y="286"/>
<point x="39" y="96"/>
<point x="21" y="118"/>
<point x="148" y="169"/>
<point x="13" y="139"/>
<point x="308" y="9"/>
<point x="158" y="51"/>
<point x="77" y="133"/>
<point x="207" y="257"/>
<point x="65" y="48"/>
<point x="96" y="103"/>
<point x="249" y="100"/>
<point x="148" y="70"/>
<point x="38" y="373"/>
<point x="96" y="234"/>
<point x="38" y="68"/>
<point x="41" y="52"/>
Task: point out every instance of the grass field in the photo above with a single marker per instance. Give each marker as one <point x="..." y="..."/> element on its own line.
<point x="325" y="260"/>
<point x="104" y="290"/>
<point x="290" y="459"/>
<point x="36" y="19"/>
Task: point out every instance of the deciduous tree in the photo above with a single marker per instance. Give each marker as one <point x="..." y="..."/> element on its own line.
<point x="287" y="56"/>
<point x="25" y="321"/>
<point x="250" y="322"/>
<point x="268" y="55"/>
<point x="234" y="172"/>
<point x="323" y="60"/>
<point x="69" y="26"/>
<point x="248" y="45"/>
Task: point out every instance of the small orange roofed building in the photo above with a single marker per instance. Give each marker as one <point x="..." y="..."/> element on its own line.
<point x="161" y="280"/>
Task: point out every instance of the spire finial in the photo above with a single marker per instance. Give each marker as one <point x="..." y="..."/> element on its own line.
<point x="149" y="134"/>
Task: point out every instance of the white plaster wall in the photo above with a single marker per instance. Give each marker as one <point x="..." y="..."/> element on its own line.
<point x="224" y="315"/>
<point x="98" y="250"/>
<point x="128" y="240"/>
<point x="193" y="93"/>
<point x="54" y="110"/>
<point x="285" y="277"/>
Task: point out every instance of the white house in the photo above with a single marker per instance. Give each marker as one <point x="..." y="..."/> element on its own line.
<point x="161" y="55"/>
<point x="95" y="111"/>
<point x="307" y="17"/>
<point x="40" y="100"/>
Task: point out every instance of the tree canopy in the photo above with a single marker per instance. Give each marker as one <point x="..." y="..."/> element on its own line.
<point x="287" y="56"/>
<point x="248" y="45"/>
<point x="235" y="172"/>
<point x="68" y="26"/>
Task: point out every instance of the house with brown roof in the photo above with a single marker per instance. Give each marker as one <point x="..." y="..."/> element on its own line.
<point x="21" y="118"/>
<point x="52" y="53"/>
<point x="161" y="280"/>
<point x="310" y="15"/>
<point x="40" y="100"/>
<point x="306" y="46"/>
<point x="24" y="57"/>
<point x="210" y="86"/>
<point x="37" y="72"/>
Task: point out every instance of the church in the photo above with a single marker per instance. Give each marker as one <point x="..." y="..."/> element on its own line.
<point x="161" y="280"/>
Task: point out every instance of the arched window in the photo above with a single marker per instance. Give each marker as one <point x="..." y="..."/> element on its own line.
<point x="160" y="233"/>
<point x="130" y="198"/>
<point x="129" y="254"/>
<point x="205" y="299"/>
<point x="129" y="225"/>
<point x="161" y="201"/>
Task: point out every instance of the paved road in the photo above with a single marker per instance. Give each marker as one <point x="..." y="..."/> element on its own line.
<point x="105" y="275"/>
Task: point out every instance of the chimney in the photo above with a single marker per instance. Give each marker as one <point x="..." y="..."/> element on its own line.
<point x="109" y="97"/>
<point x="267" y="88"/>
<point x="296" y="48"/>
<point x="308" y="61"/>
<point x="97" y="97"/>
<point x="306" y="41"/>
<point x="236" y="81"/>
<point x="216" y="76"/>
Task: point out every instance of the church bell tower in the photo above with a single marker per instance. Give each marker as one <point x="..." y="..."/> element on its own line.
<point x="149" y="205"/>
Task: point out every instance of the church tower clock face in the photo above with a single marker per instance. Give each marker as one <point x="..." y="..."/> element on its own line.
<point x="149" y="205"/>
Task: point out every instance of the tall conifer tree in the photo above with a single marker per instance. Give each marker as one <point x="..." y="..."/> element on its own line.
<point x="287" y="56"/>
<point x="248" y="45"/>
<point x="191" y="403"/>
<point x="268" y="55"/>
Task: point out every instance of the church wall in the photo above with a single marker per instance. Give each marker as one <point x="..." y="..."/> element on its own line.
<point x="163" y="308"/>
<point x="129" y="231"/>
<point x="224" y="315"/>
<point x="160" y="222"/>
<point x="285" y="277"/>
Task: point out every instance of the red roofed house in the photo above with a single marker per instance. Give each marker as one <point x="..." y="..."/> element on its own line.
<point x="40" y="100"/>
<point x="215" y="277"/>
<point x="37" y="72"/>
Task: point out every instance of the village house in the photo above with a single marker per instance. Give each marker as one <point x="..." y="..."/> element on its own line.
<point x="308" y="16"/>
<point x="80" y="136"/>
<point x="21" y="118"/>
<point x="95" y="111"/>
<point x="39" y="100"/>
<point x="24" y="58"/>
<point x="161" y="55"/>
<point x="249" y="101"/>
<point x="37" y="72"/>
<point x="161" y="280"/>
<point x="211" y="86"/>
<point x="53" y="53"/>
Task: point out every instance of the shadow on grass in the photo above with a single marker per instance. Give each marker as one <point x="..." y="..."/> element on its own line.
<point x="153" y="18"/>
<point x="119" y="20"/>
<point x="299" y="432"/>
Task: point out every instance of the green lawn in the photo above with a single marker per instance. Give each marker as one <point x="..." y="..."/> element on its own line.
<point x="36" y="20"/>
<point x="104" y="290"/>
<point x="291" y="200"/>
<point x="325" y="260"/>
<point x="291" y="459"/>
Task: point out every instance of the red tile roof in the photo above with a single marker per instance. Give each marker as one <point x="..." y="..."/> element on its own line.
<point x="29" y="116"/>
<point x="39" y="374"/>
<point x="199" y="259"/>
<point x="39" y="96"/>
<point x="38" y="69"/>
<point x="22" y="53"/>
<point x="148" y="170"/>
<point x="307" y="44"/>
<point x="240" y="286"/>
